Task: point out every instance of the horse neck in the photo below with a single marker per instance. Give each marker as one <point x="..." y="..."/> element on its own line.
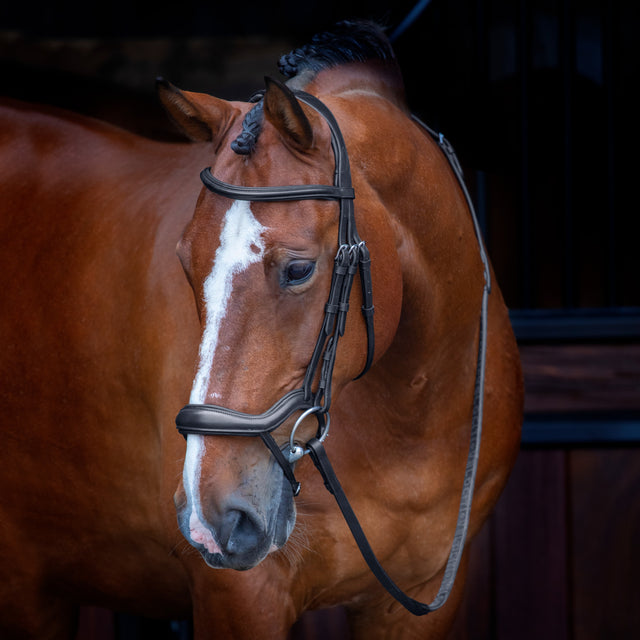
<point x="431" y="361"/>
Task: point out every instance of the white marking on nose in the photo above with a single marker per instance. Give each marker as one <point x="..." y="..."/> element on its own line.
<point x="191" y="479"/>
<point x="241" y="244"/>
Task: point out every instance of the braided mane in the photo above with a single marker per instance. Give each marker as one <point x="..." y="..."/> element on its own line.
<point x="348" y="41"/>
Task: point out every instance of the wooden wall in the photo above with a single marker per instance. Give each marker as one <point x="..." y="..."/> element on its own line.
<point x="558" y="558"/>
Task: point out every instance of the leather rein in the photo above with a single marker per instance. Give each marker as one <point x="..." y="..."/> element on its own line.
<point x="352" y="257"/>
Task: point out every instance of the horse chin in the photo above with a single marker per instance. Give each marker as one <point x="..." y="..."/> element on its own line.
<point x="219" y="561"/>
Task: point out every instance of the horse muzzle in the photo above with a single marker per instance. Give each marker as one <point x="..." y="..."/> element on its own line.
<point x="237" y="528"/>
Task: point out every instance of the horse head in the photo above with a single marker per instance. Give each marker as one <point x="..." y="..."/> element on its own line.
<point x="262" y="273"/>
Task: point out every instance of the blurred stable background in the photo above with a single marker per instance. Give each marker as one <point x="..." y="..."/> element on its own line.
<point x="539" y="98"/>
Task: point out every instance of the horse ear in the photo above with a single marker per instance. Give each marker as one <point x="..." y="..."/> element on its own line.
<point x="285" y="113"/>
<point x="200" y="116"/>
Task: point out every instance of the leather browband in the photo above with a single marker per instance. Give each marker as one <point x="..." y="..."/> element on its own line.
<point x="275" y="194"/>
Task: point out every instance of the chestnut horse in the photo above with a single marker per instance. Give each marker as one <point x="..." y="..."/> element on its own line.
<point x="102" y="342"/>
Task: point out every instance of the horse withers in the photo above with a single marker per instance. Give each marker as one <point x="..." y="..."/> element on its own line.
<point x="103" y="340"/>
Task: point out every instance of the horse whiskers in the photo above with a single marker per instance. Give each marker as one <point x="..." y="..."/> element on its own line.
<point x="298" y="543"/>
<point x="294" y="549"/>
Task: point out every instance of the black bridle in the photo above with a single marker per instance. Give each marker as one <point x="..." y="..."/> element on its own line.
<point x="352" y="257"/>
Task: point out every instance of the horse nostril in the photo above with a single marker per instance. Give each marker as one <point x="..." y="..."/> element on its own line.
<point x="239" y="532"/>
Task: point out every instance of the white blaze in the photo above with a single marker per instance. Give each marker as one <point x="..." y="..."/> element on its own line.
<point x="241" y="244"/>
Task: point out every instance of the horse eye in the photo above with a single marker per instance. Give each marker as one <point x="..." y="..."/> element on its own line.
<point x="297" y="272"/>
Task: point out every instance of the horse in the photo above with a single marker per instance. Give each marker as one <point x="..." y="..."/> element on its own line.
<point x="106" y="334"/>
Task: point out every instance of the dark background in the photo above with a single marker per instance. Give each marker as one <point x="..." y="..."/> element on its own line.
<point x="539" y="99"/>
